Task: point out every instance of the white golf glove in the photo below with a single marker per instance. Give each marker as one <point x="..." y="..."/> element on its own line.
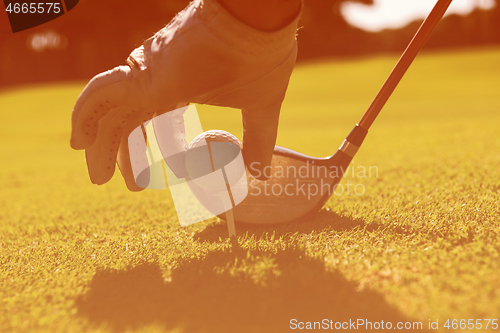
<point x="204" y="55"/>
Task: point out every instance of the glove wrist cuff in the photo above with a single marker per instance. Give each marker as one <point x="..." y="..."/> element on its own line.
<point x="242" y="37"/>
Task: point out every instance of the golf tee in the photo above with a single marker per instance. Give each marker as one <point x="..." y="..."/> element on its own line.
<point x="228" y="207"/>
<point x="229" y="212"/>
<point x="230" y="223"/>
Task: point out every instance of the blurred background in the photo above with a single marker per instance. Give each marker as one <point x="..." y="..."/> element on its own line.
<point x="98" y="35"/>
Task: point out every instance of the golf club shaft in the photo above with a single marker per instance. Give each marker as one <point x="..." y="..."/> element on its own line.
<point x="404" y="62"/>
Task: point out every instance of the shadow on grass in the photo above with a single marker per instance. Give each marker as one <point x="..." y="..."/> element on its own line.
<point x="322" y="221"/>
<point x="219" y="293"/>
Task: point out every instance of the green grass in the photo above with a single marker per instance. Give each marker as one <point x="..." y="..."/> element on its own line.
<point x="421" y="243"/>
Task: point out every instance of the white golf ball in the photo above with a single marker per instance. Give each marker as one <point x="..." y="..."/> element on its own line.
<point x="214" y="136"/>
<point x="214" y="160"/>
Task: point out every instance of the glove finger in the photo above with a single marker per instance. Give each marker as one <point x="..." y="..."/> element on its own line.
<point x="133" y="157"/>
<point x="260" y="129"/>
<point x="170" y="134"/>
<point x="103" y="93"/>
<point x="101" y="155"/>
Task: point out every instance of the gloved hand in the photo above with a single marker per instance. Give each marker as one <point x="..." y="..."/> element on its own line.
<point x="203" y="56"/>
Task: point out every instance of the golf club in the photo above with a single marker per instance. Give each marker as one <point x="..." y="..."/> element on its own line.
<point x="298" y="184"/>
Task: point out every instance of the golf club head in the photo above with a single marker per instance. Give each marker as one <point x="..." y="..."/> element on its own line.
<point x="297" y="184"/>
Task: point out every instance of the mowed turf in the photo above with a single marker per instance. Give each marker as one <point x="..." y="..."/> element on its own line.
<point x="413" y="236"/>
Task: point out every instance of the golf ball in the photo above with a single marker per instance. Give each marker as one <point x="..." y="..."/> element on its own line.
<point x="214" y="160"/>
<point x="213" y="136"/>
